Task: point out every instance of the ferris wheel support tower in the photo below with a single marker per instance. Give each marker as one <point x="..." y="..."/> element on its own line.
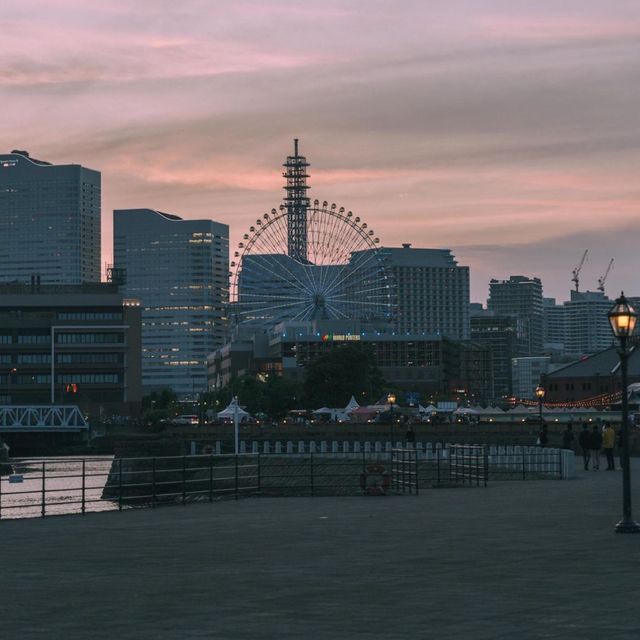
<point x="296" y="203"/>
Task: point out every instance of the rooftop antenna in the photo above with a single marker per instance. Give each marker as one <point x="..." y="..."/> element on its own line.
<point x="576" y="271"/>
<point x="296" y="203"/>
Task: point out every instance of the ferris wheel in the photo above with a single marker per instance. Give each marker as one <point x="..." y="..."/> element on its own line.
<point x="336" y="272"/>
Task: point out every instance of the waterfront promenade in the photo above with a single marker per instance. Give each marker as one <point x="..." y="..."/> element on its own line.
<point x="534" y="559"/>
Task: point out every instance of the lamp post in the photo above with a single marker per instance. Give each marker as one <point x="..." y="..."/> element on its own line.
<point x="9" y="377"/>
<point x="540" y="396"/>
<point x="622" y="319"/>
<point x="391" y="400"/>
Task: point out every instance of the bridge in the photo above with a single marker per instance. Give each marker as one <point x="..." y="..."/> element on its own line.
<point x="41" y="418"/>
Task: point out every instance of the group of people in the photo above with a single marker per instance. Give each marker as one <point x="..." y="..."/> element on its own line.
<point x="591" y="442"/>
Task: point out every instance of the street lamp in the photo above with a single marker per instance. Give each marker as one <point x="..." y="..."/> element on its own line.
<point x="540" y="396"/>
<point x="622" y="319"/>
<point x="9" y="377"/>
<point x="391" y="400"/>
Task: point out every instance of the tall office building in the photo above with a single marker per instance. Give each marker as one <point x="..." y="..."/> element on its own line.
<point x="431" y="291"/>
<point x="49" y="221"/>
<point x="521" y="298"/>
<point x="179" y="270"/>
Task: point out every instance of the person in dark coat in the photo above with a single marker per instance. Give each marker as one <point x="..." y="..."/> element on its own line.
<point x="596" y="445"/>
<point x="410" y="436"/>
<point x="567" y="437"/>
<point x="585" y="444"/>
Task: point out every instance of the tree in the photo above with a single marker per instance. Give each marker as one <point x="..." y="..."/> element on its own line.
<point x="159" y="406"/>
<point x="270" y="394"/>
<point x="348" y="369"/>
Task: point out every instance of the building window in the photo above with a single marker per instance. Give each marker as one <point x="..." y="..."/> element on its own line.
<point x="89" y="338"/>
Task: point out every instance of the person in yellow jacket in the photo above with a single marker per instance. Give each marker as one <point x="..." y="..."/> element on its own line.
<point x="608" y="443"/>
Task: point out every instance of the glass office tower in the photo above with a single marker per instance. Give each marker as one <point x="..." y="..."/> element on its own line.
<point x="179" y="270"/>
<point x="49" y="221"/>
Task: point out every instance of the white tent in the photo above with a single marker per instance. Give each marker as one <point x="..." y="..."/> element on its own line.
<point x="428" y="409"/>
<point x="353" y="404"/>
<point x="521" y="410"/>
<point x="232" y="410"/>
<point x="465" y="411"/>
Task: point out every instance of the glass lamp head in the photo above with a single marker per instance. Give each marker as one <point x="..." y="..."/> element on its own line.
<point x="539" y="392"/>
<point x="391" y="398"/>
<point x="622" y="318"/>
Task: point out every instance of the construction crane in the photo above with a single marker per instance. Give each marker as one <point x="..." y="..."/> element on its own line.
<point x="576" y="272"/>
<point x="602" y="279"/>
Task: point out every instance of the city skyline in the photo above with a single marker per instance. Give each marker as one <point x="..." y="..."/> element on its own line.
<point x="506" y="134"/>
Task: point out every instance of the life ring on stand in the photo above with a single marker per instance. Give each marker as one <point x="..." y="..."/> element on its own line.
<point x="207" y="450"/>
<point x="375" y="481"/>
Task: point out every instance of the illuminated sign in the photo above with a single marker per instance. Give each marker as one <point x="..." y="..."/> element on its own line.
<point x="337" y="337"/>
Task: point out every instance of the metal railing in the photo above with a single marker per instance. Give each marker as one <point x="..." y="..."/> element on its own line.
<point x="520" y="463"/>
<point x="38" y="488"/>
<point x="404" y="471"/>
<point x="468" y="464"/>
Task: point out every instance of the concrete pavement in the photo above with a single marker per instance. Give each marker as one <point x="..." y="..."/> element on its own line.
<point x="525" y="559"/>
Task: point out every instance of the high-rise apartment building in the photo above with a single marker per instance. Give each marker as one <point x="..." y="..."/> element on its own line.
<point x="521" y="298"/>
<point x="179" y="270"/>
<point x="49" y="221"/>
<point x="555" y="334"/>
<point x="587" y="328"/>
<point x="499" y="334"/>
<point x="579" y="326"/>
<point x="431" y="291"/>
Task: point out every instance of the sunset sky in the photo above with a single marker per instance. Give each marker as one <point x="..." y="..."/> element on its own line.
<point x="508" y="131"/>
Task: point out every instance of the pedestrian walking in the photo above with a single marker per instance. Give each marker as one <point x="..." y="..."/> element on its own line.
<point x="585" y="444"/>
<point x="596" y="445"/>
<point x="608" y="442"/>
<point x="410" y="437"/>
<point x="543" y="437"/>
<point x="567" y="437"/>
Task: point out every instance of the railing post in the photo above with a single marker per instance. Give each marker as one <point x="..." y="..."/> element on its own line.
<point x="83" y="484"/>
<point x="153" y="482"/>
<point x="438" y="465"/>
<point x="404" y="471"/>
<point x="524" y="469"/>
<point x="485" y="455"/>
<point x="184" y="480"/>
<point x="119" y="484"/>
<point x="211" y="478"/>
<point x="236" y="457"/>
<point x="259" y="472"/>
<point x="311" y="472"/>
<point x="0" y="497"/>
<point x="44" y="490"/>
<point x="415" y="455"/>
<point x="560" y="462"/>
